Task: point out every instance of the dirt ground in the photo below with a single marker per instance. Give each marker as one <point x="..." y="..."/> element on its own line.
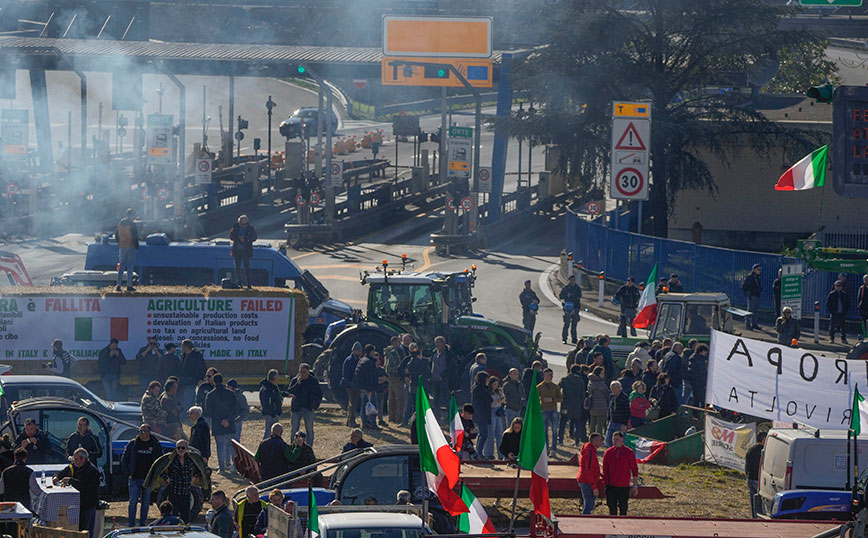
<point x="692" y="490"/>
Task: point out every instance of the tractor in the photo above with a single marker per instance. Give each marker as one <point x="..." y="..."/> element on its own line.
<point x="427" y="305"/>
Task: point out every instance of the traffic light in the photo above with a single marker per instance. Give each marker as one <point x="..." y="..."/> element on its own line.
<point x="257" y="144"/>
<point x="242" y="123"/>
<point x="822" y="93"/>
<point x="436" y="71"/>
<point x="423" y="137"/>
<point x="435" y="136"/>
<point x="301" y="69"/>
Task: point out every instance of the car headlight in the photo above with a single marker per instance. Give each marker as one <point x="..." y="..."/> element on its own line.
<point x="776" y="505"/>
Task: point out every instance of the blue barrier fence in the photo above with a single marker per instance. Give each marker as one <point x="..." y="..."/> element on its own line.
<point x="700" y="268"/>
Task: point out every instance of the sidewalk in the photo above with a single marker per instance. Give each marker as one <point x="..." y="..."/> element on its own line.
<point x="610" y="312"/>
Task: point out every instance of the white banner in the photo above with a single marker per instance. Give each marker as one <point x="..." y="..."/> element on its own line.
<point x="238" y="328"/>
<point x="775" y="382"/>
<point x="727" y="443"/>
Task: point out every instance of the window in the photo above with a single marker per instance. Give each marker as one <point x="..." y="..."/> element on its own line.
<point x="181" y="276"/>
<point x="371" y="532"/>
<point x="668" y="321"/>
<point x="775" y="455"/>
<point x="698" y="319"/>
<point x="380" y="477"/>
<point x="258" y="277"/>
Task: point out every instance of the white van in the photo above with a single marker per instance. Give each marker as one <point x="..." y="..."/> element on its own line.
<point x="805" y="458"/>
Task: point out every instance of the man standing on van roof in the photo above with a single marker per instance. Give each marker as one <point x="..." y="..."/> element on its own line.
<point x="242" y="234"/>
<point x="751" y="469"/>
<point x="128" y="242"/>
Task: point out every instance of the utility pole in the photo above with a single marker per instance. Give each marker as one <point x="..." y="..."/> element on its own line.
<point x="269" y="105"/>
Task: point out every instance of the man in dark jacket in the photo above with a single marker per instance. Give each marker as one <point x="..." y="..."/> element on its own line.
<point x="84" y="477"/>
<point x="753" y="289"/>
<point x="148" y="360"/>
<point x="222" y="407"/>
<point x="271" y="454"/>
<point x="776" y="292"/>
<point x="512" y="394"/>
<point x="127" y="234"/>
<point x="200" y="433"/>
<point x="838" y="303"/>
<point x="242" y="234"/>
<point x="139" y="455"/>
<point x="206" y="387"/>
<point x="306" y="396"/>
<point x="192" y="371"/>
<point x="34" y="441"/>
<point x="15" y="480"/>
<point x="82" y="437"/>
<point x="674" y="284"/>
<point x="357" y="440"/>
<point x="619" y="411"/>
<point x="270" y="400"/>
<point x="365" y="380"/>
<point x="300" y="454"/>
<point x="787" y="327"/>
<point x="347" y="372"/>
<point x="529" y="306"/>
<point x="571" y="299"/>
<point x="111" y="358"/>
<point x="674" y="366"/>
<point x="608" y="362"/>
<point x="574" y="389"/>
<point x="697" y="373"/>
<point x="752" y="468"/>
<point x="527" y="377"/>
<point x="444" y="381"/>
<point x="170" y="364"/>
<point x="628" y="298"/>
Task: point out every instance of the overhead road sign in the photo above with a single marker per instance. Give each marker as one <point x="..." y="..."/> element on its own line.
<point x="440" y="37"/>
<point x="407" y="72"/>
<point x="631" y="144"/>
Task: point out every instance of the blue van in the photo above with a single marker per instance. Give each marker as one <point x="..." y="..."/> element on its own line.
<point x="159" y="262"/>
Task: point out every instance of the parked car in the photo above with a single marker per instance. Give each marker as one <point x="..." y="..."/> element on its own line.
<point x="190" y="531"/>
<point x="371" y="524"/>
<point x="22" y="387"/>
<point x="803" y="459"/>
<point x="303" y="122"/>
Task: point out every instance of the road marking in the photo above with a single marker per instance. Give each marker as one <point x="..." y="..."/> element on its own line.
<point x="311" y="253"/>
<point x="353" y="301"/>
<point x="338" y="277"/>
<point x="550" y="294"/>
<point x="426" y="258"/>
<point x="337" y="266"/>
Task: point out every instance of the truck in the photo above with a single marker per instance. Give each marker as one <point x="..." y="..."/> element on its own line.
<point x="426" y="305"/>
<point x="159" y="261"/>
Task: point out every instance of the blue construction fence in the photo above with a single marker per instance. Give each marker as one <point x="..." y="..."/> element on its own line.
<point x="620" y="254"/>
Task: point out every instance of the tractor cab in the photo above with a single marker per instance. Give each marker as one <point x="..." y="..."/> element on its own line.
<point x="682" y="317"/>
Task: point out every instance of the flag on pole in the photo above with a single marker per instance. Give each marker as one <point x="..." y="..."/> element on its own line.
<point x="439" y="463"/>
<point x="859" y="413"/>
<point x="647" y="303"/>
<point x="312" y="514"/>
<point x="456" y="427"/>
<point x="476" y="521"/>
<point x="532" y="452"/>
<point x="806" y="174"/>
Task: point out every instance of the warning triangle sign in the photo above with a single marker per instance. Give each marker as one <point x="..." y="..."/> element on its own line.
<point x="630" y="139"/>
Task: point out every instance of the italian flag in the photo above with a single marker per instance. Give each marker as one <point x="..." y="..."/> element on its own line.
<point x="312" y="514"/>
<point x="439" y="463"/>
<point x="99" y="329"/>
<point x="647" y="303"/>
<point x="476" y="521"/>
<point x="456" y="427"/>
<point x="859" y="413"/>
<point x="806" y="174"/>
<point x="532" y="452"/>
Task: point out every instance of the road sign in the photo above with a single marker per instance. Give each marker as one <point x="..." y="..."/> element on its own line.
<point x="593" y="208"/>
<point x="791" y="288"/>
<point x="314" y="198"/>
<point x="300" y="200"/>
<point x="404" y="125"/>
<point x="631" y="144"/>
<point x="460" y="149"/>
<point x="160" y="139"/>
<point x="397" y="72"/>
<point x="849" y="144"/>
<point x="830" y="3"/>
<point x="12" y="188"/>
<point x="14" y="127"/>
<point x="467" y="203"/>
<point x="163" y="193"/>
<point x="484" y="180"/>
<point x="203" y="171"/>
<point x="360" y="83"/>
<point x="450" y="204"/>
<point x="439" y="37"/>
<point x="146" y="194"/>
<point x="336" y="175"/>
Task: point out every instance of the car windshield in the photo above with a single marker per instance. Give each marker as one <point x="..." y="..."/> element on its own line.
<point x="374" y="532"/>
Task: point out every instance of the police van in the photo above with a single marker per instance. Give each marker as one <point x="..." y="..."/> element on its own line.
<point x="160" y="262"/>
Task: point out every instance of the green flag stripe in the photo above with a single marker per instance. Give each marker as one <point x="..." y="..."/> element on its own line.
<point x="532" y="433"/>
<point x="312" y="512"/>
<point x="818" y="163"/>
<point x="427" y="458"/>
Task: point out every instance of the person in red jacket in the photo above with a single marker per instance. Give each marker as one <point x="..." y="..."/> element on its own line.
<point x="620" y="474"/>
<point x="590" y="479"/>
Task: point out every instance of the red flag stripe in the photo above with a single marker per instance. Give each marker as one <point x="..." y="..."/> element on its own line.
<point x="539" y="495"/>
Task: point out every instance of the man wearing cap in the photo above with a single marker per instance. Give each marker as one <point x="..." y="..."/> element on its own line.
<point x="753" y="289"/>
<point x="347" y="382"/>
<point x="528" y="297"/>
<point x="139" y="455"/>
<point x="571" y="298"/>
<point x="83" y="476"/>
<point x="628" y="297"/>
<point x="675" y="285"/>
<point x="300" y="454"/>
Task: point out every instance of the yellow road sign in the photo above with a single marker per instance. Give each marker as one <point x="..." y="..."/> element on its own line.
<point x="621" y="109"/>
<point x="443" y="37"/>
<point x="413" y="72"/>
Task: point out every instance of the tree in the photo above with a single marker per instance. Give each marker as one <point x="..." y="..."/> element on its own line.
<point x="685" y="56"/>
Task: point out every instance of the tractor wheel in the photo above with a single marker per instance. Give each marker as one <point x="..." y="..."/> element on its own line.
<point x="500" y="360"/>
<point x="310" y="354"/>
<point x="343" y="344"/>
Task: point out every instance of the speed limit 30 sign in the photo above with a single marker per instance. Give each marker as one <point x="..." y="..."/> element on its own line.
<point x="629" y="183"/>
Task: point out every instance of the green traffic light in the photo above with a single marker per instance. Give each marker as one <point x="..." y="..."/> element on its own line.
<point x="441" y="73"/>
<point x="823" y="93"/>
<point x="301" y="70"/>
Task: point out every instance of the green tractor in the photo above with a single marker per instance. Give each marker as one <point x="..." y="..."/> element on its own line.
<point x="427" y="305"/>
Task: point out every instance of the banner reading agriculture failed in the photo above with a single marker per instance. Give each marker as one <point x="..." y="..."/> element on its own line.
<point x="221" y="327"/>
<point x="776" y="382"/>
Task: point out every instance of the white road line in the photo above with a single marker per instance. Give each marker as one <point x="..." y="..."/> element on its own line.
<point x="550" y="295"/>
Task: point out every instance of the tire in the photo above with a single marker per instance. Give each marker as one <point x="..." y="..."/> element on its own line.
<point x="343" y="344"/>
<point x="500" y="360"/>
